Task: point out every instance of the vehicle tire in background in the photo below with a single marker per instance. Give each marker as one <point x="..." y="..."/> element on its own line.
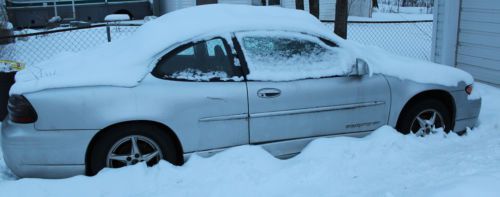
<point x="129" y="144"/>
<point x="424" y="117"/>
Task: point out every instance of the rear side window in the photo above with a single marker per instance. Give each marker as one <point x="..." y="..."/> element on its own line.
<point x="201" y="61"/>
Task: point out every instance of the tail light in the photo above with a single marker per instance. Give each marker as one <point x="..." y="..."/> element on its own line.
<point x="468" y="89"/>
<point x="20" y="110"/>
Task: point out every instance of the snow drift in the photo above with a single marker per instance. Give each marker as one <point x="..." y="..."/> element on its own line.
<point x="384" y="163"/>
<point x="126" y="62"/>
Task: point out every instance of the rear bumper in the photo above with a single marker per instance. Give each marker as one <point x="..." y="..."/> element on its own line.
<point x="44" y="154"/>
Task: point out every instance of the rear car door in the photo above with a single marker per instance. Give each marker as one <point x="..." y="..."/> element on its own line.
<point x="299" y="86"/>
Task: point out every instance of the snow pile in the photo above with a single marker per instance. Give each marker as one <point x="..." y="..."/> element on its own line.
<point x="117" y="17"/>
<point x="55" y="19"/>
<point x="384" y="163"/>
<point x="198" y="75"/>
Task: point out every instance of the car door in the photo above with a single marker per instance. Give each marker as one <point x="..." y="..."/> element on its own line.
<point x="300" y="86"/>
<point x="204" y="95"/>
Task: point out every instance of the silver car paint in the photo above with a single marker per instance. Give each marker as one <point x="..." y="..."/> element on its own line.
<point x="195" y="111"/>
<point x="210" y="116"/>
<point x="317" y="107"/>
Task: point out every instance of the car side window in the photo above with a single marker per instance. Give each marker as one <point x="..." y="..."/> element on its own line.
<point x="200" y="61"/>
<point x="282" y="56"/>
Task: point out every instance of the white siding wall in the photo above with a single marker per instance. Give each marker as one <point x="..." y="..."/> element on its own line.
<point x="245" y="2"/>
<point x="467" y="36"/>
<point x="289" y="3"/>
<point x="256" y="2"/>
<point x="172" y="5"/>
<point x="360" y="8"/>
<point x="445" y="31"/>
<point x="327" y="8"/>
<point x="478" y="50"/>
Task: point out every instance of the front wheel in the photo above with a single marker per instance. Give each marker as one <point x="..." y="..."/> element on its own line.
<point x="425" y="117"/>
<point x="128" y="145"/>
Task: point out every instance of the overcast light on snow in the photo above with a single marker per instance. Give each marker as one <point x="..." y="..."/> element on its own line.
<point x="384" y="163"/>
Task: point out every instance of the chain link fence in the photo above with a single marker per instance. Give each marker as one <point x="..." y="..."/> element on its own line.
<point x="407" y="38"/>
<point x="33" y="47"/>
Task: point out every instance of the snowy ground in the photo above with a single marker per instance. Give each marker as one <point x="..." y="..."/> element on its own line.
<point x="382" y="164"/>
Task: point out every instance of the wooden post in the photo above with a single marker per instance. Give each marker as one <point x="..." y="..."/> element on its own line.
<point x="341" y="14"/>
<point x="299" y="4"/>
<point x="314" y="7"/>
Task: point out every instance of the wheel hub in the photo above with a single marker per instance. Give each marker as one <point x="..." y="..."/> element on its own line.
<point x="426" y="122"/>
<point x="132" y="150"/>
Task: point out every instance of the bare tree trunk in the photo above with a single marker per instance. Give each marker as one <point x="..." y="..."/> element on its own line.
<point x="299" y="4"/>
<point x="341" y="14"/>
<point x="314" y="7"/>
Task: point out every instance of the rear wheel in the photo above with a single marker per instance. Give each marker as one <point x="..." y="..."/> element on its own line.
<point x="128" y="145"/>
<point x="425" y="117"/>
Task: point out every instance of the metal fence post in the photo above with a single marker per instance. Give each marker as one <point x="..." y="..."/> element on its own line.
<point x="108" y="32"/>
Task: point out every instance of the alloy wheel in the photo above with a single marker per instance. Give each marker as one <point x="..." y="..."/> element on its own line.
<point x="133" y="149"/>
<point x="426" y="122"/>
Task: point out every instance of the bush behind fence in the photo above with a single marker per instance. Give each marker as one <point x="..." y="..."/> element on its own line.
<point x="408" y="38"/>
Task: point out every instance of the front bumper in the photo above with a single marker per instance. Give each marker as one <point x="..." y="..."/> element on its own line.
<point x="467" y="114"/>
<point x="44" y="154"/>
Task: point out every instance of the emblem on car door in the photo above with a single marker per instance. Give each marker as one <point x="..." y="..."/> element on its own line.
<point x="363" y="124"/>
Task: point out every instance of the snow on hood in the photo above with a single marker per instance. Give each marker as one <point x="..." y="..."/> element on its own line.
<point x="383" y="62"/>
<point x="126" y="62"/>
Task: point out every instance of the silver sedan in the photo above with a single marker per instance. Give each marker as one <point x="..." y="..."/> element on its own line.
<point x="199" y="99"/>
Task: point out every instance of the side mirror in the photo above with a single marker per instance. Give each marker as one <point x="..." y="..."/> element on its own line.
<point x="360" y="68"/>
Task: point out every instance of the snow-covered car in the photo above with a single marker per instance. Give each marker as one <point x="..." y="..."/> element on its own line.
<point x="207" y="78"/>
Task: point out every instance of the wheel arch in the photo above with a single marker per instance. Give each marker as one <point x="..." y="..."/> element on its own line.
<point x="441" y="95"/>
<point x="163" y="127"/>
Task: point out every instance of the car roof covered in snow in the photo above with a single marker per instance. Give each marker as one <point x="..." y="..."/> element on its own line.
<point x="126" y="62"/>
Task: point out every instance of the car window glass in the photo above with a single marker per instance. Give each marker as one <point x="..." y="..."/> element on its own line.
<point x="213" y="44"/>
<point x="201" y="61"/>
<point x="291" y="56"/>
<point x="188" y="51"/>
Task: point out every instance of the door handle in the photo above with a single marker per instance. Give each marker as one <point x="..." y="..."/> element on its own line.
<point x="268" y="93"/>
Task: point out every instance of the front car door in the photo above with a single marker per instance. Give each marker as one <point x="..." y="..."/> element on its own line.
<point x="299" y="87"/>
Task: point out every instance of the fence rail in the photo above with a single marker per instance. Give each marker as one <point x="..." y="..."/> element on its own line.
<point x="39" y="46"/>
<point x="407" y="38"/>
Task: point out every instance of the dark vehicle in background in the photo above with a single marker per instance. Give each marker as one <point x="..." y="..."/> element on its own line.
<point x="37" y="13"/>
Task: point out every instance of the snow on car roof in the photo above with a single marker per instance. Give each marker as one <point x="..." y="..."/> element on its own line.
<point x="126" y="62"/>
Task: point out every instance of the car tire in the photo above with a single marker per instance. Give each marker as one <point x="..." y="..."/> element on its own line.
<point x="145" y="136"/>
<point x="409" y="123"/>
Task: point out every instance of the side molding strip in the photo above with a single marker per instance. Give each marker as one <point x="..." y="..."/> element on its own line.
<point x="316" y="109"/>
<point x="292" y="112"/>
<point x="221" y="118"/>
